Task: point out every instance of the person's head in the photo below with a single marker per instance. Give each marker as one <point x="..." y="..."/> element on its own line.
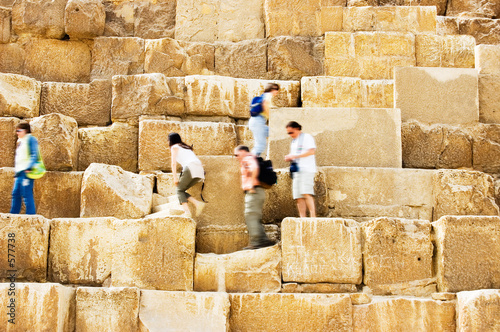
<point x="22" y="129"/>
<point x="293" y="129"/>
<point x="174" y="138"/>
<point x="273" y="88"/>
<point x="241" y="151"/>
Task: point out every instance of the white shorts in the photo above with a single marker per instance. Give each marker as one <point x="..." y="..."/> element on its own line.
<point x="303" y="184"/>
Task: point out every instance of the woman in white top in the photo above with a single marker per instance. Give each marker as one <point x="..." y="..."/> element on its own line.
<point x="192" y="171"/>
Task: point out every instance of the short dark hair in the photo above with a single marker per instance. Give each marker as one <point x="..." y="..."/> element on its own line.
<point x="25" y="126"/>
<point x="271" y="86"/>
<point x="293" y="124"/>
<point x="242" y="148"/>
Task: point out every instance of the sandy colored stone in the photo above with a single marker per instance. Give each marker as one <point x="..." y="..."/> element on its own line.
<point x="331" y="16"/>
<point x="88" y="104"/>
<point x="184" y="311"/>
<point x="467" y="253"/>
<point x="57" y="137"/>
<point x="244" y="136"/>
<point x="435" y="146"/>
<point x="57" y="194"/>
<point x="347" y="136"/>
<point x="445" y="51"/>
<point x="154" y="19"/>
<point x="247" y="271"/>
<point x="107" y="309"/>
<point x="113" y="145"/>
<point x="8" y="140"/>
<point x="445" y="95"/>
<point x="39" y="18"/>
<point x="25" y="242"/>
<point x="489" y="99"/>
<point x="84" y="19"/>
<point x="461" y="192"/>
<point x="154" y="151"/>
<point x="478" y="310"/>
<point x="6" y="186"/>
<point x="40" y="307"/>
<point x="117" y="56"/>
<point x="447" y="25"/>
<point x="488" y="59"/>
<point x="12" y="59"/>
<point x="154" y="253"/>
<point x="19" y="96"/>
<point x="486" y="139"/>
<point x="5" y="19"/>
<point x="245" y="59"/>
<point x="444" y="296"/>
<point x="109" y="191"/>
<point x="209" y="95"/>
<point x="404" y="314"/>
<point x="485" y="30"/>
<point x="317" y="288"/>
<point x="360" y="298"/>
<point x="80" y="250"/>
<point x="120" y="18"/>
<point x="298" y="18"/>
<point x="57" y="60"/>
<point x="7" y="3"/>
<point x="473" y="8"/>
<point x="301" y="312"/>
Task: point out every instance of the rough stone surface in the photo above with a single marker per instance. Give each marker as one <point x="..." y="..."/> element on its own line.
<point x="246" y="59"/>
<point x="467" y="253"/>
<point x="489" y="99"/>
<point x="447" y="25"/>
<point x="317" y="288"/>
<point x="25" y="240"/>
<point x="8" y="140"/>
<point x="209" y="95"/>
<point x="321" y="250"/>
<point x="114" y="309"/>
<point x="5" y="22"/>
<point x="486" y="148"/>
<point x="154" y="151"/>
<point x="444" y="296"/>
<point x="57" y="194"/>
<point x="301" y="312"/>
<point x="487" y="59"/>
<point x="154" y="253"/>
<point x="84" y="18"/>
<point x="88" y="104"/>
<point x="120" y="18"/>
<point x="486" y="31"/>
<point x="80" y="250"/>
<point x="184" y="311"/>
<point x="57" y="136"/>
<point x="347" y="137"/>
<point x="435" y="146"/>
<point x="6" y="185"/>
<point x="473" y="8"/>
<point x="445" y="95"/>
<point x="250" y="271"/>
<point x="113" y="145"/>
<point x="478" y="310"/>
<point x="39" y="18"/>
<point x="109" y="191"/>
<point x="12" y="59"/>
<point x="19" y="96"/>
<point x="360" y="298"/>
<point x="445" y="51"/>
<point x="154" y="19"/>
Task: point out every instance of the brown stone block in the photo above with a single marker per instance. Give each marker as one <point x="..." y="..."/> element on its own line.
<point x="155" y="19"/>
<point x="12" y="59"/>
<point x="246" y="59"/>
<point x="478" y="310"/>
<point x="209" y="95"/>
<point x="39" y="18"/>
<point x="6" y="186"/>
<point x="318" y="288"/>
<point x="447" y="25"/>
<point x="5" y="18"/>
<point x="117" y="56"/>
<point x="485" y="147"/>
<point x="445" y="51"/>
<point x="57" y="194"/>
<point x="484" y="30"/>
<point x="120" y="18"/>
<point x="473" y="8"/>
<point x="19" y="96"/>
<point x="489" y="98"/>
<point x="8" y="140"/>
<point x="84" y="19"/>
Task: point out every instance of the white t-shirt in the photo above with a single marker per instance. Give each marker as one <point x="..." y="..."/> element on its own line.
<point x="304" y="142"/>
<point x="187" y="158"/>
<point x="268" y="96"/>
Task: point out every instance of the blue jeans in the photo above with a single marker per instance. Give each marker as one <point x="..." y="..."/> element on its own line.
<point x="260" y="131"/>
<point x="23" y="188"/>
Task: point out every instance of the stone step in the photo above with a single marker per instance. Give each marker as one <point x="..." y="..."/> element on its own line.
<point x="484" y="30"/>
<point x="487" y="57"/>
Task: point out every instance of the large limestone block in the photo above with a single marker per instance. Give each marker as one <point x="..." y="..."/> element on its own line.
<point x="473" y="8"/>
<point x="39" y="18"/>
<point x="447" y="25"/>
<point x="88" y="104"/>
<point x="57" y="136"/>
<point x="246" y="59"/>
<point x="184" y="311"/>
<point x="320" y="288"/>
<point x="404" y="314"/>
<point x="435" y="146"/>
<point x="5" y="18"/>
<point x="57" y="194"/>
<point x="209" y="95"/>
<point x="290" y="312"/>
<point x="179" y="58"/>
<point x="396" y="252"/>
<point x="12" y="59"/>
<point x="84" y="19"/>
<point x="321" y="250"/>
<point x="291" y="58"/>
<point x="486" y="147"/>
<point x="154" y="152"/>
<point x="8" y="140"/>
<point x="440" y="5"/>
<point x="7" y="3"/>
<point x="461" y="192"/>
<point x="487" y="59"/>
<point x="6" y="185"/>
<point x="80" y="250"/>
<point x="489" y="99"/>
<point x="108" y="309"/>
<point x="445" y="51"/>
<point x="478" y="310"/>
<point x="154" y="19"/>
<point x="444" y="95"/>
<point x="117" y="56"/>
<point x="367" y="193"/>
<point x="19" y="96"/>
<point x="109" y="191"/>
<point x="343" y="136"/>
<point x="154" y="253"/>
<point x="120" y="18"/>
<point x="113" y="145"/>
<point x="25" y="242"/>
<point x="39" y="307"/>
<point x="485" y="30"/>
<point x="325" y="91"/>
<point x="467" y="252"/>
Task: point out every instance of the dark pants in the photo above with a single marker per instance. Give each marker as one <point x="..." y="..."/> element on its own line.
<point x="185" y="182"/>
<point x="23" y="188"/>
<point x="254" y="203"/>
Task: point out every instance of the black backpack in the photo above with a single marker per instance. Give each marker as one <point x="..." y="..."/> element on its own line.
<point x="267" y="176"/>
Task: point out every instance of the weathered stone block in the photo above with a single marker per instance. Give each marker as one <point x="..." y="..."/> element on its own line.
<point x="487" y="59"/>
<point x="318" y="288"/>
<point x="250" y="271"/>
<point x="467" y="253"/>
<point x="190" y="311"/>
<point x="321" y="250"/>
<point x="473" y="8"/>
<point x="39" y="18"/>
<point x="396" y="252"/>
<point x="478" y="310"/>
<point x="209" y="95"/>
<point x="109" y="191"/>
<point x="84" y="19"/>
<point x="113" y="145"/>
<point x="12" y="59"/>
<point x="57" y="136"/>
<point x="154" y="19"/>
<point x="347" y="137"/>
<point x="447" y="25"/>
<point x="445" y="95"/>
<point x="80" y="250"/>
<point x="489" y="99"/>
<point x="154" y="253"/>
<point x="154" y="151"/>
<point x="486" y="147"/>
<point x="19" y="96"/>
<point x="5" y="18"/>
<point x="57" y="194"/>
<point x="246" y="59"/>
<point x="57" y="60"/>
<point x="485" y="30"/>
<point x="25" y="240"/>
<point x="107" y="309"/>
<point x="302" y="312"/>
<point x="445" y="51"/>
<point x="117" y="56"/>
<point x="244" y="136"/>
<point x="8" y="140"/>
<point x="6" y="186"/>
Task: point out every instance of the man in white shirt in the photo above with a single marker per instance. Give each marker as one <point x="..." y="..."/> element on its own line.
<point x="302" y="153"/>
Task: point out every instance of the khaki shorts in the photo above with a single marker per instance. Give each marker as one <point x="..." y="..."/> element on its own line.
<point x="303" y="184"/>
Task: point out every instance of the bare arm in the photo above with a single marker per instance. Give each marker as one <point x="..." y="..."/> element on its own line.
<point x="308" y="153"/>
